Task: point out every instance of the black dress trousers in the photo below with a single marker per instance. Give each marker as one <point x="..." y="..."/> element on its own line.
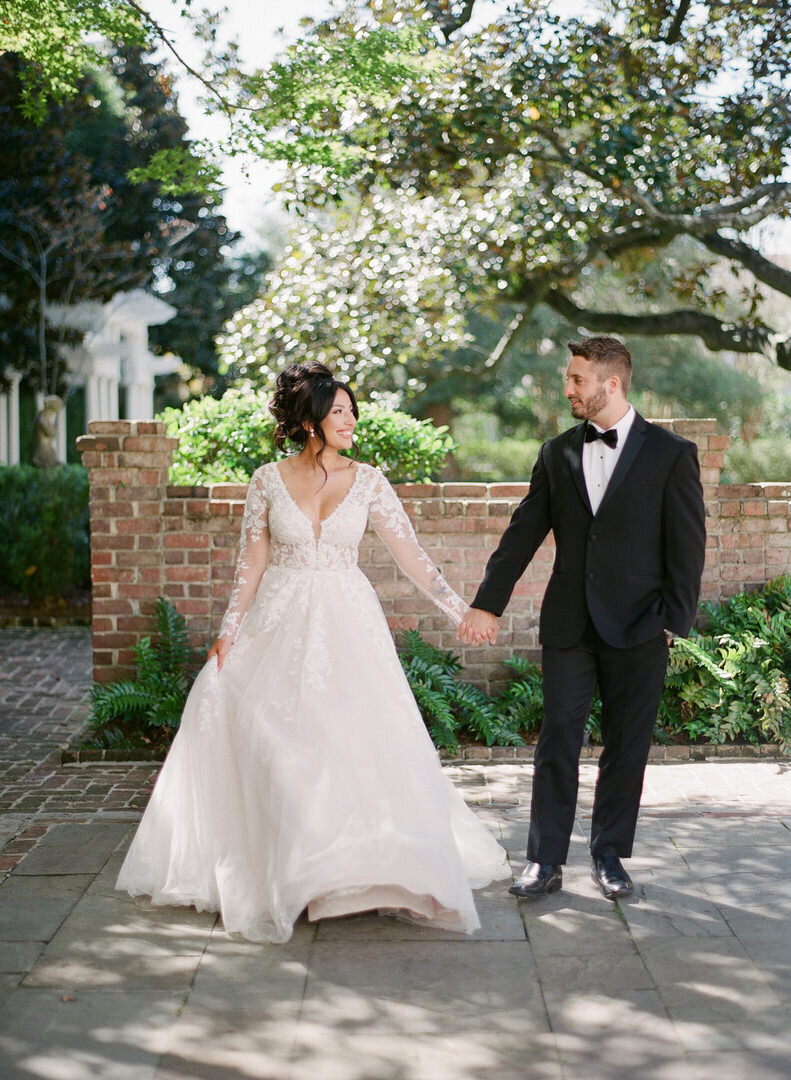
<point x="630" y="682"/>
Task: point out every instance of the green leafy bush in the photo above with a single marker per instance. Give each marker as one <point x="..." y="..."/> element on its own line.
<point x="146" y="712"/>
<point x="45" y="539"/>
<point x="758" y="461"/>
<point x="451" y="708"/>
<point x="731" y="682"/>
<point x="493" y="461"/>
<point x="226" y="439"/>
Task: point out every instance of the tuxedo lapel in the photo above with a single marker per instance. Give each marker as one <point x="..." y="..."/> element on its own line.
<point x="573" y="452"/>
<point x="632" y="446"/>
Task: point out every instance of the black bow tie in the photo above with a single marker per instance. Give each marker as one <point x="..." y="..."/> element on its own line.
<point x="610" y="438"/>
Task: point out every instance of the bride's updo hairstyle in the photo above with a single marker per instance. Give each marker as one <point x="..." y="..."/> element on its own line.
<point x="303" y="396"/>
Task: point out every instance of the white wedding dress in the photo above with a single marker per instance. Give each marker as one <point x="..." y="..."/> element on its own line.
<point x="302" y="775"/>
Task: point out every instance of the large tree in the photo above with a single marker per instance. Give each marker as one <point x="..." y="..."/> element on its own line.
<point x="563" y="147"/>
<point x="77" y="226"/>
<point x="556" y="147"/>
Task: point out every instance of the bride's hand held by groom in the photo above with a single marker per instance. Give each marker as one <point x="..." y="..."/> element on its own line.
<point x="477" y="627"/>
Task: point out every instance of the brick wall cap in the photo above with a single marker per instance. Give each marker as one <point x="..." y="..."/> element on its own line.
<point x="418" y="491"/>
<point x="228" y="491"/>
<point x="741" y="491"/>
<point x="469" y="491"/>
<point x="513" y="490"/>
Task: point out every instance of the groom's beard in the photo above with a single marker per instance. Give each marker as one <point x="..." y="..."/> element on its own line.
<point x="590" y="407"/>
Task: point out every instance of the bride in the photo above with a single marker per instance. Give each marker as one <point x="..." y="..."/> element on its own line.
<point x="302" y="775"/>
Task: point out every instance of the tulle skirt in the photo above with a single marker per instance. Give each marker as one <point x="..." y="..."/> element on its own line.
<point x="302" y="777"/>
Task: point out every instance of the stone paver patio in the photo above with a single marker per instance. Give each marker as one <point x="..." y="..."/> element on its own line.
<point x="690" y="980"/>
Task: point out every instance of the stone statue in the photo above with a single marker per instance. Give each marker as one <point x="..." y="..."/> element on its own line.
<point x="45" y="455"/>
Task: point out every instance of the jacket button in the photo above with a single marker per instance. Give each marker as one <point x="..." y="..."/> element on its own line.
<point x="592" y="537"/>
<point x="591" y="575"/>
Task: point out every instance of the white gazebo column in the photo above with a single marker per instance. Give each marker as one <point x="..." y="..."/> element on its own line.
<point x="9" y="422"/>
<point x="140" y="400"/>
<point x="4" y="447"/>
<point x="93" y="407"/>
<point x="60" y="435"/>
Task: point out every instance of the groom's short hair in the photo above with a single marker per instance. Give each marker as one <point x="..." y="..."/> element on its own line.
<point x="608" y="355"/>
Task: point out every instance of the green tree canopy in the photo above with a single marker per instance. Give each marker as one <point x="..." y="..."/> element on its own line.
<point x="548" y="149"/>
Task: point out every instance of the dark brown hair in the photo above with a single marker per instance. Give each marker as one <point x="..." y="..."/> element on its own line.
<point x="304" y="395"/>
<point x="608" y="355"/>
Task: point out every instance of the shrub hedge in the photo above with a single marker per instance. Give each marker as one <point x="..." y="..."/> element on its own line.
<point x="226" y="439"/>
<point x="44" y="539"/>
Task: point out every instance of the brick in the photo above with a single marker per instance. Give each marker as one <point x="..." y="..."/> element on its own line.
<point x="187" y="573"/>
<point x="712" y="461"/>
<point x="778" y="507"/>
<point x="198" y="557"/>
<point x="219" y="509"/>
<point x="137" y="623"/>
<point x="730" y="508"/>
<point x="754" y="507"/>
<point x="114" y="640"/>
<point x="133" y="526"/>
<point x="150" y="427"/>
<point x="515" y="492"/>
<point x="455" y="491"/>
<point x="185" y="540"/>
<point x="196" y="507"/>
<point x="109" y="427"/>
<point x="138" y="558"/>
<point x="719" y="442"/>
<point x="159" y="444"/>
<point x="116" y="607"/>
<point x="193" y="607"/>
<point x="178" y="491"/>
<point x="101" y="574"/>
<point x="418" y="491"/>
<point x="228" y="491"/>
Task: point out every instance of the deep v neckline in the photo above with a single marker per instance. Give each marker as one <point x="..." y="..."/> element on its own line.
<point x="321" y="521"/>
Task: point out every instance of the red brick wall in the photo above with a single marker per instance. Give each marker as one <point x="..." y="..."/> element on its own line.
<point x="151" y="539"/>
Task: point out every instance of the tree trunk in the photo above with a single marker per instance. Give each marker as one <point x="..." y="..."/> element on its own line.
<point x="440" y="413"/>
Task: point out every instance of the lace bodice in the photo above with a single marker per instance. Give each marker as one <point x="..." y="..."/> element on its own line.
<point x="277" y="534"/>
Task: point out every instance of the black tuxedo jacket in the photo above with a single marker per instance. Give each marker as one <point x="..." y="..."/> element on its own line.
<point x="635" y="566"/>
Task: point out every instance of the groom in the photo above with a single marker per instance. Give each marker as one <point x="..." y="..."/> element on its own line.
<point x="624" y="502"/>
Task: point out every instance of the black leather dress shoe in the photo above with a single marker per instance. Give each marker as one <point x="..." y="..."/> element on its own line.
<point x="610" y="876"/>
<point x="538" y="879"/>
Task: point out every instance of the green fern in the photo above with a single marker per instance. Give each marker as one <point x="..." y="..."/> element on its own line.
<point x="450" y="707"/>
<point x="147" y="711"/>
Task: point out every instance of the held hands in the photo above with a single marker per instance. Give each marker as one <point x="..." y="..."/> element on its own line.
<point x="220" y="649"/>
<point x="478" y="626"/>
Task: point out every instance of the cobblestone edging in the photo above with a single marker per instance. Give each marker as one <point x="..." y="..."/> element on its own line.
<point x="479" y="754"/>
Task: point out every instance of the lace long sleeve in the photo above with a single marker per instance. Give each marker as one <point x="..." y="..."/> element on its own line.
<point x="253" y="557"/>
<point x="394" y="528"/>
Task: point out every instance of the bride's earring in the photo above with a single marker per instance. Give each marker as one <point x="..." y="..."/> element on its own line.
<point x="311" y="432"/>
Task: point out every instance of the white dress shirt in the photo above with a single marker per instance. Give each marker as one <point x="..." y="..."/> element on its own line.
<point x="599" y="459"/>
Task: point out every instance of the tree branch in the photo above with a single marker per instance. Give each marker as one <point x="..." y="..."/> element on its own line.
<point x="449" y="23"/>
<point x="763" y="269"/>
<point x="674" y="33"/>
<point x="530" y="296"/>
<point x="716" y="335"/>
<point x="161" y="33"/>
